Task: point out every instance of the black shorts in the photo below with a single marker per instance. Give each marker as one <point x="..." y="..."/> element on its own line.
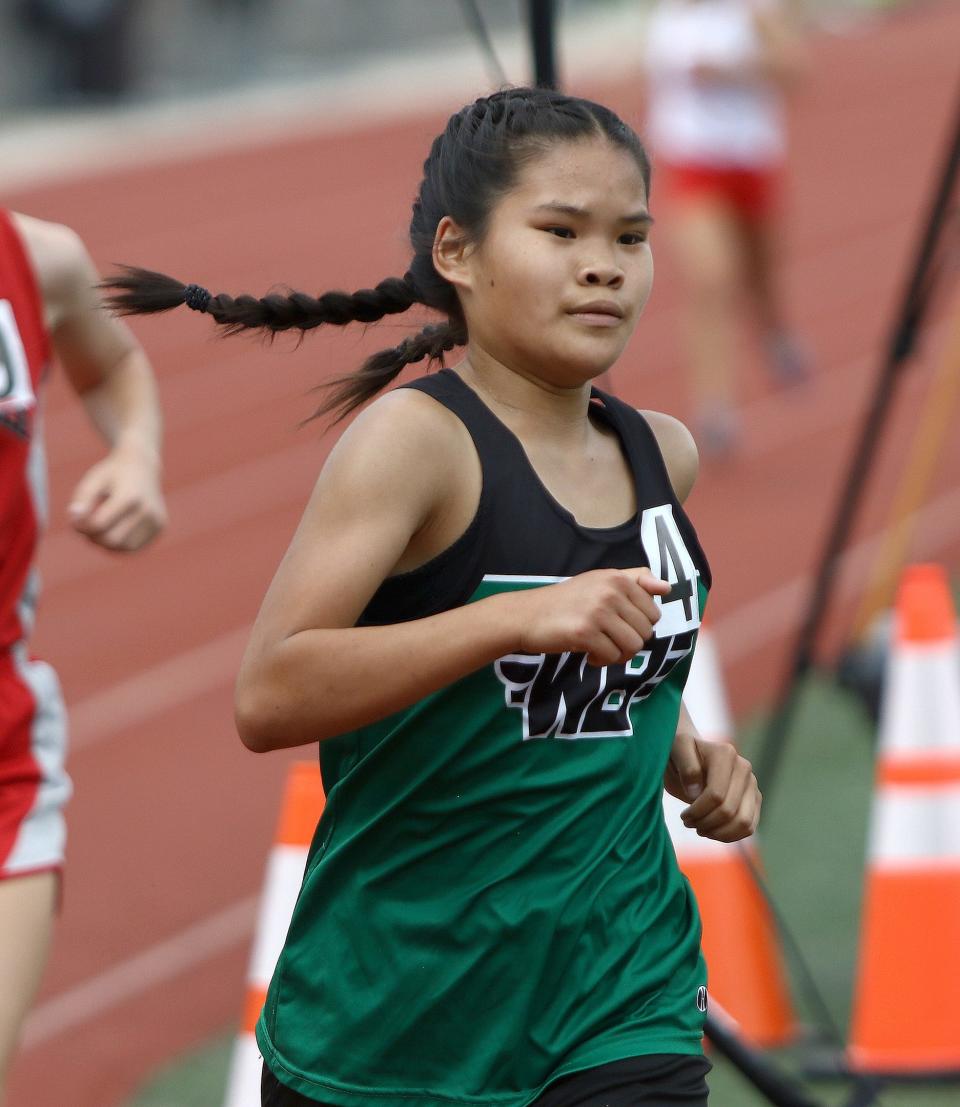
<point x="656" y="1080"/>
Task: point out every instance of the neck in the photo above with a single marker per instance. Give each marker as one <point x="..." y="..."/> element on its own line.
<point x="524" y="399"/>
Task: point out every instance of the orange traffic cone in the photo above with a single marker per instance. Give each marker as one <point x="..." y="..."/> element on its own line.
<point x="906" y="1018"/>
<point x="743" y="960"/>
<point x="302" y="806"/>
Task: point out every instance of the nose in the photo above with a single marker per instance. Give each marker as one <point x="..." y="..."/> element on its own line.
<point x="604" y="274"/>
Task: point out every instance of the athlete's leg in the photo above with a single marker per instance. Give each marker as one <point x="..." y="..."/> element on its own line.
<point x="27" y="907"/>
<point x="760" y="257"/>
<point x="708" y="248"/>
<point x="760" y="235"/>
<point x="33" y="790"/>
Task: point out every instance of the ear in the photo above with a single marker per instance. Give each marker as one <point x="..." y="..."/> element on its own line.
<point x="451" y="249"/>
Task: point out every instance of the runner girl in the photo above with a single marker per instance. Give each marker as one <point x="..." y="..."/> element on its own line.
<point x="486" y="618"/>
<point x="48" y="303"/>
<point x="718" y="72"/>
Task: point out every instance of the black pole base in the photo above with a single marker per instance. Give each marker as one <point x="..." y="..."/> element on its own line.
<point x="835" y="1064"/>
<point x="775" y="1086"/>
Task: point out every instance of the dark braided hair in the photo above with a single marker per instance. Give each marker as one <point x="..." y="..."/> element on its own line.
<point x="471" y="165"/>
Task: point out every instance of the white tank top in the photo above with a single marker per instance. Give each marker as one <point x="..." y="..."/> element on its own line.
<point x="704" y="122"/>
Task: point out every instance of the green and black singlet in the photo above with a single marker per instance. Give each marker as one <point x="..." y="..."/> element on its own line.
<point x="491" y="899"/>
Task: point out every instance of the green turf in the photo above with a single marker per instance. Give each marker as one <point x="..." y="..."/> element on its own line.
<point x="812" y="840"/>
<point x="195" y="1080"/>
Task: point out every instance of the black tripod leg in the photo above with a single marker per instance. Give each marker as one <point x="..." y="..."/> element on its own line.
<point x="865" y="1094"/>
<point x="779" y="1089"/>
<point x="900" y="346"/>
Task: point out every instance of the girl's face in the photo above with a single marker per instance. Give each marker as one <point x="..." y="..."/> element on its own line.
<point x="558" y="282"/>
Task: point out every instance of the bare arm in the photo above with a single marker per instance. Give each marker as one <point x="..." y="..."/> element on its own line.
<point x="310" y="673"/>
<point x="783" y="53"/>
<point x="118" y="504"/>
<point x="781" y="56"/>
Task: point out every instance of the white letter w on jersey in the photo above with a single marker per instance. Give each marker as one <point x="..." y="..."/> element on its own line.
<point x="561" y="696"/>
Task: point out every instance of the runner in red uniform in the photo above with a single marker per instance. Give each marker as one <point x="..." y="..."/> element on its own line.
<point x="49" y="305"/>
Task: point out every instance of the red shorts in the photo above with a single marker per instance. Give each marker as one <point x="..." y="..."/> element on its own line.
<point x="753" y="193"/>
<point x="33" y="782"/>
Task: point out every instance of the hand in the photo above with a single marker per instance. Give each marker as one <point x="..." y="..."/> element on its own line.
<point x="718" y="784"/>
<point x="608" y="614"/>
<point x="118" y="504"/>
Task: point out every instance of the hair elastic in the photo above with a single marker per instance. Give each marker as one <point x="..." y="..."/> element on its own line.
<point x="196" y="297"/>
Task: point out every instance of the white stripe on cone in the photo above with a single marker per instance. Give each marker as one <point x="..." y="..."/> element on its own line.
<point x="284" y="876"/>
<point x="246" y="1069"/>
<point x="704" y="695"/>
<point x="921" y="708"/>
<point x="281" y="888"/>
<point x="916" y="825"/>
<point x="706" y="701"/>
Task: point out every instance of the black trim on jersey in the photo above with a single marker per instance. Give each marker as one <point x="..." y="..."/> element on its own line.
<point x="618" y="410"/>
<point x="519" y="528"/>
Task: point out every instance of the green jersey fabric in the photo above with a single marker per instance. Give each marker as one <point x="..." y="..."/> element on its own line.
<point x="492" y="899"/>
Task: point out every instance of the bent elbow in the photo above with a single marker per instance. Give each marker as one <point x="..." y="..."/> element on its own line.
<point x="263" y="722"/>
<point x="256" y="720"/>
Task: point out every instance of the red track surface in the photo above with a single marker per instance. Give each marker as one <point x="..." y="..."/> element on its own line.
<point x="172" y="819"/>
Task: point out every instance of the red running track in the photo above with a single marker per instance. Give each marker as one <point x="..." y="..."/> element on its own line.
<point x="172" y="819"/>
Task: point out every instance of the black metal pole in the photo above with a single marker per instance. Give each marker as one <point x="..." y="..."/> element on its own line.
<point x="543" y="38"/>
<point x="768" y="1080"/>
<point x="900" y="346"/>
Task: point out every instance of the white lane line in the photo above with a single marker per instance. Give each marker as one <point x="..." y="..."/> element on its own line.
<point x="156" y="965"/>
<point x="753" y="625"/>
<point x="157" y="690"/>
<point x="204" y="506"/>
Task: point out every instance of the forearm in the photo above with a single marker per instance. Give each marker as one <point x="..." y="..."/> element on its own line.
<point x="783" y="54"/>
<point x="124" y="406"/>
<point x="319" y="683"/>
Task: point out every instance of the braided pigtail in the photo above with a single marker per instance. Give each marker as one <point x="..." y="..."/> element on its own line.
<point x="143" y="292"/>
<point x="353" y="389"/>
<point x="472" y="165"/>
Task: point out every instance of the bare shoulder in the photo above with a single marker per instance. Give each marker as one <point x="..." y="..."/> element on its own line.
<point x="404" y="443"/>
<point x="60" y="260"/>
<point x="679" y="451"/>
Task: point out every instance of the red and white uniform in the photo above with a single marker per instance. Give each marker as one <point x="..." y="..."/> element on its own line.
<point x="33" y="783"/>
<point x="711" y="122"/>
<point x="715" y="136"/>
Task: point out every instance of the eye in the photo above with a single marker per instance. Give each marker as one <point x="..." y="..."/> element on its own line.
<point x="633" y="238"/>
<point x="560" y="232"/>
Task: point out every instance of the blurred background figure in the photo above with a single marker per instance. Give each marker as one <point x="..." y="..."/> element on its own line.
<point x="49" y="305"/>
<point x="90" y="42"/>
<point x="717" y="72"/>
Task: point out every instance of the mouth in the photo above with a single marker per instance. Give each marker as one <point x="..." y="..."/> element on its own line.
<point x="598" y="313"/>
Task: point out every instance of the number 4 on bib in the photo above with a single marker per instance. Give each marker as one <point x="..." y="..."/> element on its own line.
<point x="670" y="560"/>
